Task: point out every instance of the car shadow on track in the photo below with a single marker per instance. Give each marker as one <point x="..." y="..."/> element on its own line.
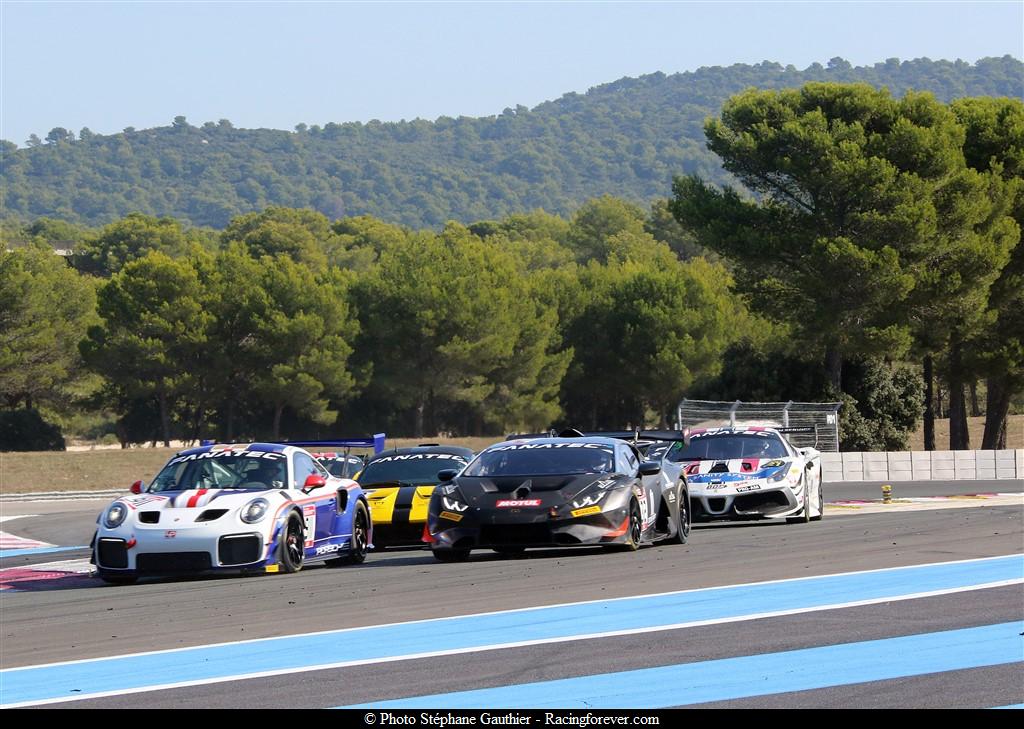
<point x="701" y="526"/>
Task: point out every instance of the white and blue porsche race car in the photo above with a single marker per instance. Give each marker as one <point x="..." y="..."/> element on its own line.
<point x="258" y="507"/>
<point x="750" y="472"/>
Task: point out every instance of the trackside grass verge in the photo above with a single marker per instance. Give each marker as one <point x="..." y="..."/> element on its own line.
<point x="116" y="468"/>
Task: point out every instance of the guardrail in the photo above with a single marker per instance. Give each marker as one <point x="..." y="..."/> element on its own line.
<point x="923" y="465"/>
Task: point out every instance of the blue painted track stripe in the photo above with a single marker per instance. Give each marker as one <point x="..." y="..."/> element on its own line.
<point x="760" y="675"/>
<point x="204" y="664"/>
<point x="36" y="550"/>
<point x="1010" y="706"/>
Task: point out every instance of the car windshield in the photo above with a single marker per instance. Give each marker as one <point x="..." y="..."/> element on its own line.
<point x="222" y="470"/>
<point x="409" y="467"/>
<point x="726" y="446"/>
<point x="547" y="459"/>
<point x="342" y="466"/>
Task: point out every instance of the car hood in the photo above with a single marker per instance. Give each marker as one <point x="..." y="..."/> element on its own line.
<point x="548" y="490"/>
<point x="737" y="469"/>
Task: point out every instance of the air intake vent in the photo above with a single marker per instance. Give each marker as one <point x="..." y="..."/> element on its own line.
<point x="211" y="514"/>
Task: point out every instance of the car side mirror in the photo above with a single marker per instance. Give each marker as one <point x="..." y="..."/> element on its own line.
<point x="650" y="468"/>
<point x="809" y="465"/>
<point x="447" y="474"/>
<point x="138" y="487"/>
<point x="313" y="481"/>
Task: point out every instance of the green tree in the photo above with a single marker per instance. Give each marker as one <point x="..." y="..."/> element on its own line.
<point x="445" y="318"/>
<point x="131" y="238"/>
<point x="597" y="222"/>
<point x="153" y="331"/>
<point x="45" y="309"/>
<point x="302" y="235"/>
<point x="863" y="201"/>
<point x="305" y="338"/>
<point x="995" y="141"/>
<point x="647" y="332"/>
<point x="663" y="227"/>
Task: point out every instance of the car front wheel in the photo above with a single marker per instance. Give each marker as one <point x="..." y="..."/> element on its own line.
<point x="292" y="547"/>
<point x="805" y="515"/>
<point x="683" y="525"/>
<point x="360" y="538"/>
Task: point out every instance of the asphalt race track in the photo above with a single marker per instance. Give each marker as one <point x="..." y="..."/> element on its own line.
<point x="914" y="604"/>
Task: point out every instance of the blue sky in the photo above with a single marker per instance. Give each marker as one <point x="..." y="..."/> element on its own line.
<point x="108" y="65"/>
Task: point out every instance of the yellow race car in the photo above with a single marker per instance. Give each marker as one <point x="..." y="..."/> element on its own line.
<point x="399" y="483"/>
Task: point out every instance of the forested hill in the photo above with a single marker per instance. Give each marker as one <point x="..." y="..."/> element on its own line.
<point x="627" y="138"/>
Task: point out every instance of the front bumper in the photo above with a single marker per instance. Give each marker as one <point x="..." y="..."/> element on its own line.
<point x="185" y="550"/>
<point x="754" y="500"/>
<point x="486" y="528"/>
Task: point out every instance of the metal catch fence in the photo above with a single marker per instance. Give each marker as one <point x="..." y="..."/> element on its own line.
<point x="823" y="416"/>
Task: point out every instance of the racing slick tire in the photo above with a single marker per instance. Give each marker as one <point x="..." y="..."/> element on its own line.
<point x="804" y="516"/>
<point x="634" y="529"/>
<point x="683" y="525"/>
<point x="451" y="555"/>
<point x="114" y="578"/>
<point x="821" y="501"/>
<point x="360" y="538"/>
<point x="292" y="547"/>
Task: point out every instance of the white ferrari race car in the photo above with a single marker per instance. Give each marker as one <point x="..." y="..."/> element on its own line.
<point x="750" y="472"/>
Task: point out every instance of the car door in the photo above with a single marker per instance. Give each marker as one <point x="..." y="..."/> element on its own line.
<point x="320" y="516"/>
<point x="628" y="463"/>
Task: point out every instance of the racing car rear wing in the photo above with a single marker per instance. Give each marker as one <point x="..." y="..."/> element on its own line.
<point x="801" y="429"/>
<point x="682" y="436"/>
<point x="375" y="441"/>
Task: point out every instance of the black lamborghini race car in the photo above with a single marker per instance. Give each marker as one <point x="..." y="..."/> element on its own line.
<point x="556" y="492"/>
<point x="399" y="482"/>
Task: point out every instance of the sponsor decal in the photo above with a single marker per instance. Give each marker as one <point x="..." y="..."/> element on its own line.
<point x="170" y="534"/>
<point x="587" y="511"/>
<point x="715" y="485"/>
<point x="514" y="503"/>
<point x="549" y="446"/>
<point x="605" y="483"/>
<point x="670" y="497"/>
<point x="748" y="487"/>
<point x="450" y="516"/>
<point x="453" y="505"/>
<point x="309" y="516"/>
<point x="327" y="549"/>
<point x="136" y="502"/>
<point x="421" y="457"/>
<point x="227" y="452"/>
<point x="586" y="501"/>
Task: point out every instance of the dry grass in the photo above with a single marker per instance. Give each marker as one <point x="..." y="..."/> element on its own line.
<point x="1014" y="433"/>
<point x="117" y="468"/>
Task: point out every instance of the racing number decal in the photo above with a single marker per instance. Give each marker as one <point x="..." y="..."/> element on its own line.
<point x="644" y="506"/>
<point x="309" y="515"/>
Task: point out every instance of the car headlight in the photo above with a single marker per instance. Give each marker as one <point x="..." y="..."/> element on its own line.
<point x="254" y="511"/>
<point x="115" y="516"/>
<point x="781" y="474"/>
